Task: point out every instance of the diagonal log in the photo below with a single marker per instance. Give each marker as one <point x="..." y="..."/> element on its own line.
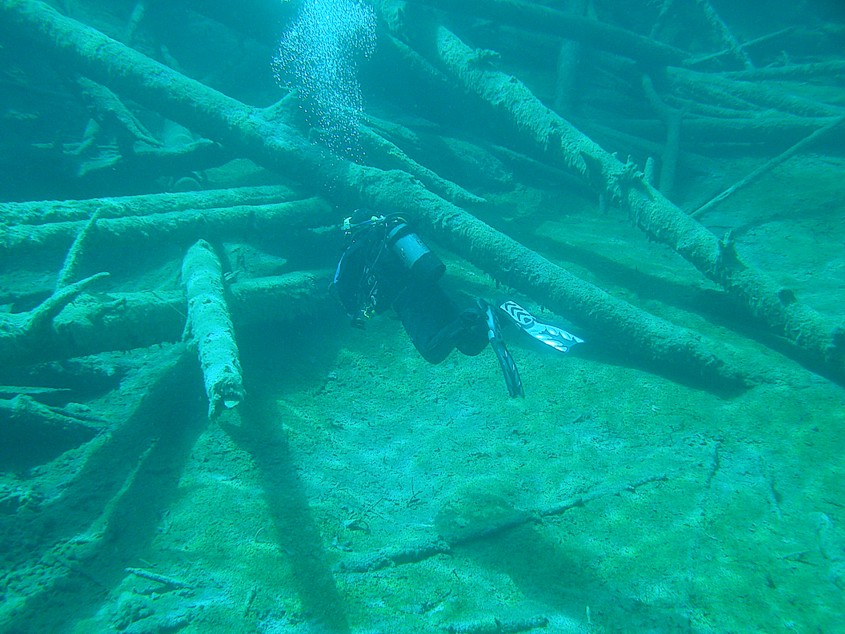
<point x="512" y="103"/>
<point x="724" y="32"/>
<point x="767" y="167"/>
<point x="382" y="152"/>
<point x="661" y="345"/>
<point x="75" y="253"/>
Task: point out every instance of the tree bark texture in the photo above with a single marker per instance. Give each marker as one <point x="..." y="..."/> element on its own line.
<point x="511" y="102"/>
<point x="181" y="227"/>
<point x="124" y="321"/>
<point x="279" y="147"/>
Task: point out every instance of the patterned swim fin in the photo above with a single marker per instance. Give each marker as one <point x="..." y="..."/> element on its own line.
<point x="552" y="336"/>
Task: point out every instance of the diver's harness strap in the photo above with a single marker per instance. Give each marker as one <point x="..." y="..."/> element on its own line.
<point x="552" y="336"/>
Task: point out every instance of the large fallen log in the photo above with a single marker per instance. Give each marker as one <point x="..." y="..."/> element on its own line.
<point x="661" y="345"/>
<point x="39" y="212"/>
<point x="209" y="328"/>
<point x="512" y="103"/>
<point x="124" y="321"/>
<point x="180" y="227"/>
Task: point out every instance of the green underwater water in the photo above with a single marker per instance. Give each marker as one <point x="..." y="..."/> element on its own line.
<point x="357" y="488"/>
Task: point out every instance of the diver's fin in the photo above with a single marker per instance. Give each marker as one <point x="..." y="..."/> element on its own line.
<point x="506" y="362"/>
<point x="552" y="336"/>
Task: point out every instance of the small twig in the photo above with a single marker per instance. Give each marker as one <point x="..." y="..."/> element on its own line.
<point x="154" y="576"/>
<point x="415" y="497"/>
<point x="767" y="166"/>
<point x="441" y="545"/>
<point x="743" y="46"/>
<point x="250" y="599"/>
<point x="496" y="626"/>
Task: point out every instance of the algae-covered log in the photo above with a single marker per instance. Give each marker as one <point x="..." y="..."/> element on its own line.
<point x="660" y="344"/>
<point x="24" y="335"/>
<point x="179" y="227"/>
<point x="29" y="417"/>
<point x="39" y="212"/>
<point x="513" y="104"/>
<point x="124" y="321"/>
<point x="277" y="146"/>
<point x="210" y="327"/>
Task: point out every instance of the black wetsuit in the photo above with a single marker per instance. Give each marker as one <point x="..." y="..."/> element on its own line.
<point x="371" y="278"/>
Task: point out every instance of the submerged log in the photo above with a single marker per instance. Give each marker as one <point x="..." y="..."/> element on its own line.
<point x="663" y="346"/>
<point x="724" y="32"/>
<point x="124" y="321"/>
<point x="181" y="227"/>
<point x="24" y="412"/>
<point x="672" y="120"/>
<point x="802" y="72"/>
<point x="764" y="96"/>
<point x="51" y="211"/>
<point x="512" y="103"/>
<point x="542" y="19"/>
<point x="24" y="334"/>
<point x="770" y="131"/>
<point x="209" y="328"/>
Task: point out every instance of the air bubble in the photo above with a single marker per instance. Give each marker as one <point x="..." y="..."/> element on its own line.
<point x="319" y="55"/>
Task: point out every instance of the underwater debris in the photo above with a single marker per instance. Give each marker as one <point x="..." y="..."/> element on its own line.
<point x="496" y="625"/>
<point x="460" y="532"/>
<point x="282" y="148"/>
<point x="158" y="577"/>
<point x="511" y="100"/>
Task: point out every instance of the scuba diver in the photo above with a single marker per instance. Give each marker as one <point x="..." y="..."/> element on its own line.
<point x="386" y="265"/>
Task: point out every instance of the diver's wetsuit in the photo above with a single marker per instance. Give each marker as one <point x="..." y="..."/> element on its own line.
<point x="371" y="278"/>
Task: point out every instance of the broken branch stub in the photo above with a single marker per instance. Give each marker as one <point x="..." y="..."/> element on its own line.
<point x="210" y="328"/>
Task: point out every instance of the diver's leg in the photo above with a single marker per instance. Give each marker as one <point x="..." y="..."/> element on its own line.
<point x="432" y="321"/>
